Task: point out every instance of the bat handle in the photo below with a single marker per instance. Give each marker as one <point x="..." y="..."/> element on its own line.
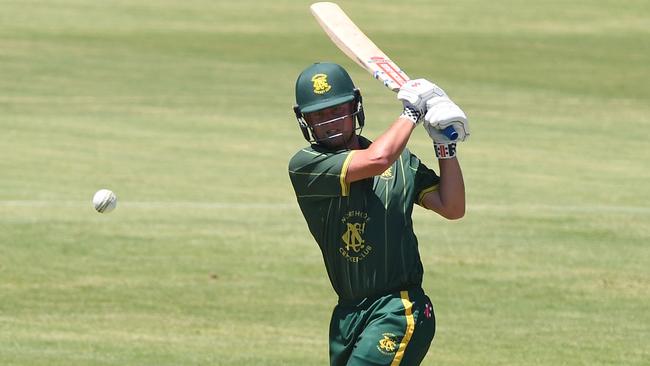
<point x="450" y="133"/>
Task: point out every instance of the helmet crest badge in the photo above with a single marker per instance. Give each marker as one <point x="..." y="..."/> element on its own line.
<point x="320" y="84"/>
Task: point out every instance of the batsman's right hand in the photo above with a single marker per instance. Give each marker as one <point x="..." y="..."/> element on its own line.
<point x="415" y="93"/>
<point x="442" y="113"/>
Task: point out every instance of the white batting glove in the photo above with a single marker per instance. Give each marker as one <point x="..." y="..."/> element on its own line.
<point x="442" y="113"/>
<point x="415" y="93"/>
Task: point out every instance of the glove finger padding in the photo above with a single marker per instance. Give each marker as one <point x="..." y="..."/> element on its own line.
<point x="442" y="113"/>
<point x="436" y="134"/>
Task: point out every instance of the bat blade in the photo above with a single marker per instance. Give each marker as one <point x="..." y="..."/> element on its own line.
<point x="356" y="45"/>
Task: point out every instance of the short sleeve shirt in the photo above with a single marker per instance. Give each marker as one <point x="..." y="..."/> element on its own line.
<point x="364" y="229"/>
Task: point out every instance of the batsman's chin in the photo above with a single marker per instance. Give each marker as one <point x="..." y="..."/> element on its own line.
<point x="337" y="142"/>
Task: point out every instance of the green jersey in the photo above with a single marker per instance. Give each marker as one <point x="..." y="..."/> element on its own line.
<point x="364" y="229"/>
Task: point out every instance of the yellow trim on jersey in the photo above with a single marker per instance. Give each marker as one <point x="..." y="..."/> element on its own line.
<point x="424" y="192"/>
<point x="410" y="328"/>
<point x="345" y="187"/>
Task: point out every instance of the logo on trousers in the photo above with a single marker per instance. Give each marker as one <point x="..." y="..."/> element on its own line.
<point x="387" y="345"/>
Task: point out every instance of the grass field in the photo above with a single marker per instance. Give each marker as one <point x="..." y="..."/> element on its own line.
<point x="183" y="108"/>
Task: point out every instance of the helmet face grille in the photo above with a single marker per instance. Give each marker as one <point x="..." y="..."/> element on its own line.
<point x="308" y="131"/>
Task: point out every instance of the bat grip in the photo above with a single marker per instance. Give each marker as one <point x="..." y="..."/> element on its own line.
<point x="450" y="133"/>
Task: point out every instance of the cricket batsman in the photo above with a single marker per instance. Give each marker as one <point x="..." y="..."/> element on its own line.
<point x="357" y="197"/>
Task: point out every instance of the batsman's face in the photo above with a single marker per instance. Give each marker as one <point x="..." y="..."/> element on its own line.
<point x="333" y="127"/>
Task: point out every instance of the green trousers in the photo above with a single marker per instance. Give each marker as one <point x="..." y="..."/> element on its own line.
<point x="393" y="329"/>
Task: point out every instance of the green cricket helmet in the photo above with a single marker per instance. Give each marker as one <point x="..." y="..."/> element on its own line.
<point x="324" y="85"/>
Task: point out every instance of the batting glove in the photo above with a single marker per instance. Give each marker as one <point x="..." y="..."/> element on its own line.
<point x="411" y="114"/>
<point x="415" y="93"/>
<point x="442" y="113"/>
<point x="442" y="145"/>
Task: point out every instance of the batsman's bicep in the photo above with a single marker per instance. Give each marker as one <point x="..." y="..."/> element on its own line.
<point x="432" y="201"/>
<point x="363" y="164"/>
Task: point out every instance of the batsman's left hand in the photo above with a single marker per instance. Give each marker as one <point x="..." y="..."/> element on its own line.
<point x="442" y="113"/>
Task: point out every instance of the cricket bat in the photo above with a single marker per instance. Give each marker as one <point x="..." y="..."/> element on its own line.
<point x="358" y="47"/>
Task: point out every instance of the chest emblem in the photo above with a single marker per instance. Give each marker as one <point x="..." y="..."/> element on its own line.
<point x="354" y="246"/>
<point x="352" y="236"/>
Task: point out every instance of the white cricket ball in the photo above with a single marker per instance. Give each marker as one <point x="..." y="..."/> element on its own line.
<point x="104" y="201"/>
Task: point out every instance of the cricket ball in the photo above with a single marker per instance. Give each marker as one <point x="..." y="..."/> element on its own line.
<point x="104" y="201"/>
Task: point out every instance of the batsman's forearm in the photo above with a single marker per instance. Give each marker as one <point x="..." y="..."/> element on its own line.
<point x="391" y="143"/>
<point x="382" y="153"/>
<point x="452" y="188"/>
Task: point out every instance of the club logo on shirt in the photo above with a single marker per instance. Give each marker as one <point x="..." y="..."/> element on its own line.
<point x="388" y="344"/>
<point x="387" y="174"/>
<point x="320" y="84"/>
<point x="354" y="246"/>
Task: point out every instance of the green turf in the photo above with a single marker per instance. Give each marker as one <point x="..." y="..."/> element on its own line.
<point x="183" y="108"/>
